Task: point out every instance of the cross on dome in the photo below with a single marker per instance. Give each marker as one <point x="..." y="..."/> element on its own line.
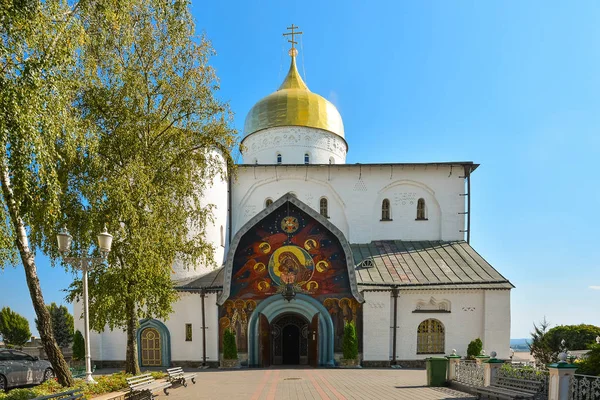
<point x="293" y="51"/>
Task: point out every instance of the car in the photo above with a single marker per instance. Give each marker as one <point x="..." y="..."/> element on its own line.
<point x="19" y="369"/>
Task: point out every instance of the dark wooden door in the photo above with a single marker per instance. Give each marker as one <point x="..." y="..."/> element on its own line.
<point x="313" y="341"/>
<point x="264" y="344"/>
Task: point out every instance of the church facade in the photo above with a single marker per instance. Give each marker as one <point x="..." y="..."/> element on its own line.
<point x="308" y="243"/>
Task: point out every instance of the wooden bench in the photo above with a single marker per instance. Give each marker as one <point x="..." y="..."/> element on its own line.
<point x="511" y="388"/>
<point x="177" y="375"/>
<point x="69" y="395"/>
<point x="147" y="384"/>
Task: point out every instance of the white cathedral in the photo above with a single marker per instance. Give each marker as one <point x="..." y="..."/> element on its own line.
<point x="306" y="243"/>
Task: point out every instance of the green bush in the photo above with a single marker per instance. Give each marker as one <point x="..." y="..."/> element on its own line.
<point x="350" y="342"/>
<point x="590" y="365"/>
<point x="229" y="346"/>
<point x="78" y="346"/>
<point x="474" y="349"/>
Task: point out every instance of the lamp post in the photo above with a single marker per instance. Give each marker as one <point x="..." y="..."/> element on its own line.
<point x="84" y="264"/>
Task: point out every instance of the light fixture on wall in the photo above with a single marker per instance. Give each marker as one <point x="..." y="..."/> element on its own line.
<point x="289" y="292"/>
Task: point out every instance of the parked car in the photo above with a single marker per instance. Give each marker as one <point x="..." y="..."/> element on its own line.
<point x="20" y="369"/>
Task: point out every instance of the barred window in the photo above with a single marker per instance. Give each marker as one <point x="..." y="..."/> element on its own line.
<point x="279" y="158"/>
<point x="421" y="209"/>
<point x="268" y="202"/>
<point x="430" y="337"/>
<point x="385" y="210"/>
<point x="323" y="207"/>
<point x="306" y="158"/>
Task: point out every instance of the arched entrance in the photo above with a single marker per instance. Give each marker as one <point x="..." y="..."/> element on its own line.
<point x="289" y="340"/>
<point x="150" y="346"/>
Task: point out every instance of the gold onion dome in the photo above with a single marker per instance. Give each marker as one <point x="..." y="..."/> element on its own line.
<point x="293" y="104"/>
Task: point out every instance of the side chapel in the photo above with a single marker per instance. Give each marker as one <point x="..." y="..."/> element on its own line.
<point x="308" y="243"/>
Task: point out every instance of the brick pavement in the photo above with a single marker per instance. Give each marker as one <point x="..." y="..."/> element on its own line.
<point x="305" y="384"/>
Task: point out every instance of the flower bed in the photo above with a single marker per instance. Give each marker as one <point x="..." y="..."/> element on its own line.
<point x="105" y="384"/>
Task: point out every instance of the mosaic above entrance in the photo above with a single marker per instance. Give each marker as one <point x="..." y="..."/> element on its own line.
<point x="289" y="246"/>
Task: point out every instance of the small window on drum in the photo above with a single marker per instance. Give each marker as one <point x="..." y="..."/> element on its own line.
<point x="279" y="159"/>
<point x="331" y="160"/>
<point x="268" y="202"/>
<point x="306" y="158"/>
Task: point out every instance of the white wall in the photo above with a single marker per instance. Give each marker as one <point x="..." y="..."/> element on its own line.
<point x="292" y="142"/>
<point x="355" y="194"/>
<point x="376" y="326"/>
<point x="111" y="345"/>
<point x="496" y="326"/>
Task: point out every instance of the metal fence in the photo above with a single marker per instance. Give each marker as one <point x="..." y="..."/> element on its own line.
<point x="526" y="373"/>
<point x="469" y="373"/>
<point x="584" y="387"/>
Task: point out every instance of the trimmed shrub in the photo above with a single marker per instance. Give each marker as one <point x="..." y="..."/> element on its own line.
<point x="78" y="347"/>
<point x="229" y="346"/>
<point x="350" y="342"/>
<point x="474" y="349"/>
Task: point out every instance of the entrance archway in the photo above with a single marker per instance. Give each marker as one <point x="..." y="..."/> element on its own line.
<point x="305" y="306"/>
<point x="289" y="339"/>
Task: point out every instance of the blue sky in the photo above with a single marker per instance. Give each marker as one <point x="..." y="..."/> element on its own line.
<point x="512" y="85"/>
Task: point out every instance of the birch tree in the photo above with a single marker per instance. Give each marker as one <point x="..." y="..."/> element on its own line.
<point x="39" y="135"/>
<point x="162" y="135"/>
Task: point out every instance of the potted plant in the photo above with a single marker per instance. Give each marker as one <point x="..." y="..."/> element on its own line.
<point x="350" y="346"/>
<point x="230" y="356"/>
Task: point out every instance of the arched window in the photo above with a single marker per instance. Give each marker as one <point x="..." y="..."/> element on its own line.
<point x="385" y="210"/>
<point x="331" y="160"/>
<point x="279" y="158"/>
<point x="306" y="158"/>
<point x="222" y="236"/>
<point x="268" y="202"/>
<point x="421" y="209"/>
<point x="430" y="337"/>
<point x="323" y="207"/>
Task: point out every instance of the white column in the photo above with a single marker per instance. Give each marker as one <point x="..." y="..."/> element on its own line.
<point x="561" y="374"/>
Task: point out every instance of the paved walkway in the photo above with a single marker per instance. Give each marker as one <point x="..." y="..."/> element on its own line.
<point x="333" y="384"/>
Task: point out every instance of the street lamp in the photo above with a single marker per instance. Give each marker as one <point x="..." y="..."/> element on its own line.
<point x="85" y="264"/>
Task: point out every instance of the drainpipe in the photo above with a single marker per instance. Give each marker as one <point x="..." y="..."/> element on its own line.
<point x="395" y="296"/>
<point x="202" y="295"/>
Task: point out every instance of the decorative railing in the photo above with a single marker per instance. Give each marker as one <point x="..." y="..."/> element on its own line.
<point x="469" y="373"/>
<point x="584" y="387"/>
<point x="527" y="374"/>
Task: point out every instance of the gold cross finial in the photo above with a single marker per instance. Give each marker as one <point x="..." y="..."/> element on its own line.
<point x="293" y="51"/>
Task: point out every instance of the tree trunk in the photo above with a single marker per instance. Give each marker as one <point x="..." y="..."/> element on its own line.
<point x="55" y="356"/>
<point x="131" y="361"/>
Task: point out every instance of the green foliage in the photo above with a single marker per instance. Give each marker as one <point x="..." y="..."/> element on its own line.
<point x="162" y="136"/>
<point x="350" y="342"/>
<point x="546" y="343"/>
<point x="78" y="346"/>
<point x="576" y="337"/>
<point x="590" y="365"/>
<point x="544" y="348"/>
<point x="62" y="324"/>
<point x="14" y="328"/>
<point x="229" y="345"/>
<point x="474" y="349"/>
<point x="105" y="384"/>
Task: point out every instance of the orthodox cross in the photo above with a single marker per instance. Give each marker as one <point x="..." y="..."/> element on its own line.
<point x="292" y="33"/>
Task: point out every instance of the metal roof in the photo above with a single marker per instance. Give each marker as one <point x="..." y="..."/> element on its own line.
<point x="424" y="264"/>
<point x="473" y="166"/>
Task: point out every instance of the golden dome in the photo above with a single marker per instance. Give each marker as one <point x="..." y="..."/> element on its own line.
<point x="293" y="104"/>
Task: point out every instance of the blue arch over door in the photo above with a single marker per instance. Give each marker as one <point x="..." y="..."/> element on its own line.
<point x="303" y="305"/>
<point x="165" y="340"/>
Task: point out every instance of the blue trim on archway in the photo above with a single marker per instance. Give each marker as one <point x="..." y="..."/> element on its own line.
<point x="165" y="340"/>
<point x="303" y="305"/>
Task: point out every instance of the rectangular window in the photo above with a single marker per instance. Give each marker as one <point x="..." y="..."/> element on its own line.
<point x="188" y="332"/>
